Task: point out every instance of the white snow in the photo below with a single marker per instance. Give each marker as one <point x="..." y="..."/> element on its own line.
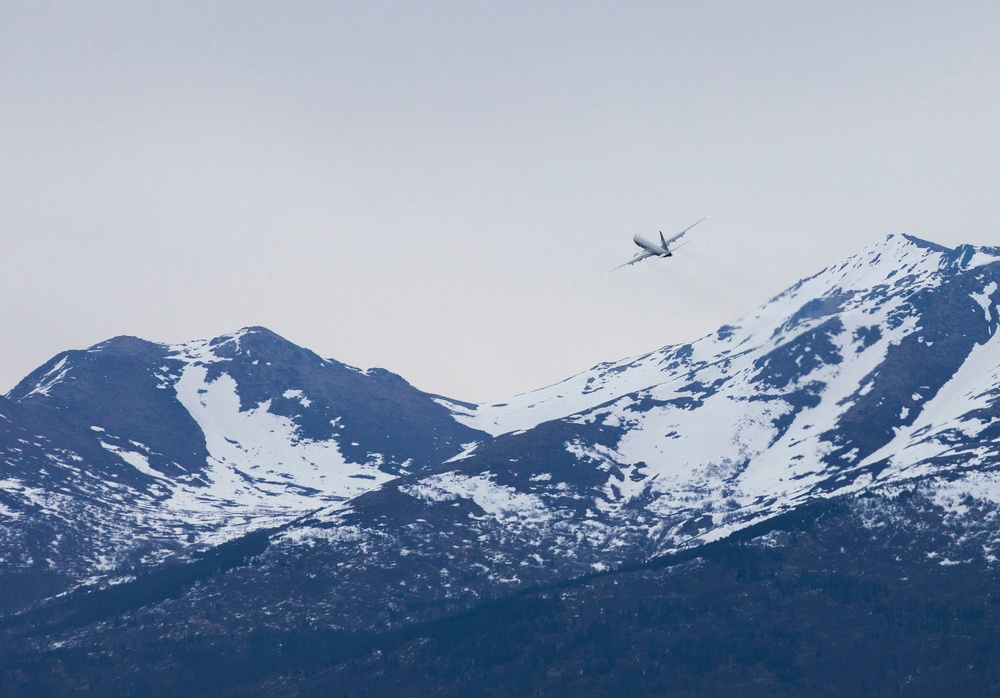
<point x="135" y="459"/>
<point x="981" y="258"/>
<point x="52" y="377"/>
<point x="297" y="395"/>
<point x="985" y="299"/>
<point x="257" y="456"/>
<point x="503" y="503"/>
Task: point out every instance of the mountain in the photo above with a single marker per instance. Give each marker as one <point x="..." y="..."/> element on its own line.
<point x="124" y="454"/>
<point x="758" y="496"/>
<point x="872" y="376"/>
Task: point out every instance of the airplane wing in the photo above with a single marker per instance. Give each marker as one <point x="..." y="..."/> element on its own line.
<point x="678" y="235"/>
<point x="638" y="258"/>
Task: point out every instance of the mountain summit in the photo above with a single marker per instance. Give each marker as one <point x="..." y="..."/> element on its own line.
<point x="128" y="452"/>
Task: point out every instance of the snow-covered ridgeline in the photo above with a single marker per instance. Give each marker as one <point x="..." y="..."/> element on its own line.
<point x="713" y="431"/>
<point x="896" y="267"/>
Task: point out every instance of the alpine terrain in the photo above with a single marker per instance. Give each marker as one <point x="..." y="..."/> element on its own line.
<point x="804" y="502"/>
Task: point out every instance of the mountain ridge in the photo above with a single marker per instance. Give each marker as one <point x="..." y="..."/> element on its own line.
<point x="167" y="452"/>
<point x="362" y="503"/>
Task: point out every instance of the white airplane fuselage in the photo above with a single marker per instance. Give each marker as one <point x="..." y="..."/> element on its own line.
<point x="654" y="247"/>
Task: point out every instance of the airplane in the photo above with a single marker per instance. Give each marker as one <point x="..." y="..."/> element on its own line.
<point x="652" y="249"/>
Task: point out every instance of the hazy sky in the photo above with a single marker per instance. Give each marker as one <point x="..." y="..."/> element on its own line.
<point x="439" y="188"/>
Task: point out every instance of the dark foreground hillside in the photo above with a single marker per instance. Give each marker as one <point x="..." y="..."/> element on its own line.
<point x="843" y="598"/>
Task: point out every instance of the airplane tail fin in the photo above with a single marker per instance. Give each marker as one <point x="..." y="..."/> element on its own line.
<point x="662" y="241"/>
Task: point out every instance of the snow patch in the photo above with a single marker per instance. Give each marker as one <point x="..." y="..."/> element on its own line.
<point x="297" y="395"/>
<point x="503" y="503"/>
<point x="51" y="378"/>
<point x="135" y="459"/>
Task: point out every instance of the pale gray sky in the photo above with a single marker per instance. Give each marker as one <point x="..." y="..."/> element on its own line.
<point x="439" y="187"/>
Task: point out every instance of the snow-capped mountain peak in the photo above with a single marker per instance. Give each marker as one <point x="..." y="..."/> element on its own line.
<point x="877" y="280"/>
<point x="868" y="375"/>
<point x="191" y="444"/>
